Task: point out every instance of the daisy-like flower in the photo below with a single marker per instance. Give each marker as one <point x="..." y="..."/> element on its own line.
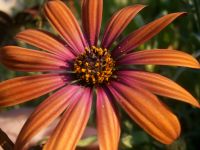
<point x="82" y="70"/>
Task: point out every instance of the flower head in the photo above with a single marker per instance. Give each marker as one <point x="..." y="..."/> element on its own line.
<point x="76" y="65"/>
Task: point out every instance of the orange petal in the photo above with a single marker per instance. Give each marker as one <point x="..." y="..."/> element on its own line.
<point x="71" y="127"/>
<point x="22" y="59"/>
<point x="45" y="113"/>
<point x="148" y="112"/>
<point x="160" y="57"/>
<point x="46" y="41"/>
<point x="144" y="33"/>
<point x="22" y="89"/>
<point x="118" y="23"/>
<point x="91" y="19"/>
<point x="158" y="84"/>
<point x="66" y="24"/>
<point x="107" y="122"/>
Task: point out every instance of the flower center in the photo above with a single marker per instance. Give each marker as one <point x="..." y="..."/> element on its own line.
<point x="95" y="66"/>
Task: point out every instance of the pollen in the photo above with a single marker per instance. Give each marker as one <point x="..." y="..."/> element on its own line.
<point x="94" y="67"/>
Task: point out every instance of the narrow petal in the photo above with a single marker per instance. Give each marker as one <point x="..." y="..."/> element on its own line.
<point x="148" y="112"/>
<point x="144" y="33"/>
<point x="46" y="41"/>
<point x="72" y="125"/>
<point x="22" y="89"/>
<point x="91" y="19"/>
<point x="45" y="113"/>
<point x="118" y="23"/>
<point x="107" y="122"/>
<point x="160" y="57"/>
<point x="22" y="59"/>
<point x="158" y="84"/>
<point x="66" y="24"/>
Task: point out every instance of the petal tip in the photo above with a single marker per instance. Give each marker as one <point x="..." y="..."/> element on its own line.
<point x="140" y="5"/>
<point x="195" y="103"/>
<point x="181" y="13"/>
<point x="19" y="35"/>
<point x="198" y="105"/>
<point x="196" y="65"/>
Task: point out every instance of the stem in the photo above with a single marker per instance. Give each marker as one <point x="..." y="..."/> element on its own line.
<point x="5" y="141"/>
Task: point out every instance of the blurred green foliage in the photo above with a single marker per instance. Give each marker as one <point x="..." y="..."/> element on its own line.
<point x="183" y="34"/>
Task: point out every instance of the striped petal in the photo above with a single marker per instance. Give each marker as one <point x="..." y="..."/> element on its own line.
<point x="22" y="59"/>
<point x="160" y="57"/>
<point x="47" y="42"/>
<point x="66" y="24"/>
<point x="91" y="19"/>
<point x="157" y="84"/>
<point x="45" y="113"/>
<point x="22" y="89"/>
<point x="144" y="33"/>
<point x="72" y="125"/>
<point x="107" y="122"/>
<point x="148" y="112"/>
<point x="118" y="23"/>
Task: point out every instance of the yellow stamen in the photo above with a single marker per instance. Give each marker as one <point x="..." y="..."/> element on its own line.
<point x="83" y="70"/>
<point x="95" y="66"/>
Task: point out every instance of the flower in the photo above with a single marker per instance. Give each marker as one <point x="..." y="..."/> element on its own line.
<point x="81" y="70"/>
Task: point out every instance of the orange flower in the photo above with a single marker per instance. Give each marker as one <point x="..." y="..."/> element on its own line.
<point x="77" y="66"/>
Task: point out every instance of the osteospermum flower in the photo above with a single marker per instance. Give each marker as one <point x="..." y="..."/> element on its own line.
<point x="77" y="66"/>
